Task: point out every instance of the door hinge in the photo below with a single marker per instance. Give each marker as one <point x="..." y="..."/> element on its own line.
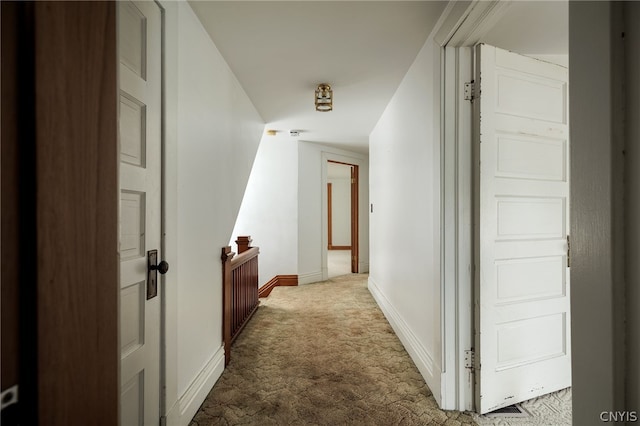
<point x="470" y="359"/>
<point x="568" y="252"/>
<point x="470" y="91"/>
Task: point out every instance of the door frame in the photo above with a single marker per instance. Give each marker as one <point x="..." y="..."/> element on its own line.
<point x="355" y="227"/>
<point x="170" y="412"/>
<point x="353" y="213"/>
<point x="164" y="373"/>
<point x="459" y="238"/>
<point x="355" y="210"/>
<point x="461" y="27"/>
<point x="329" y="215"/>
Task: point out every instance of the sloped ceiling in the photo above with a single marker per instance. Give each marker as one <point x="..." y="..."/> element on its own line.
<point x="280" y="51"/>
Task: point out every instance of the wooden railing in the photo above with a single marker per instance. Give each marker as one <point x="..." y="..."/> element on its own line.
<point x="239" y="290"/>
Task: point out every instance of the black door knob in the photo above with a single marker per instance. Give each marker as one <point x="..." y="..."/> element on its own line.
<point x="162" y="267"/>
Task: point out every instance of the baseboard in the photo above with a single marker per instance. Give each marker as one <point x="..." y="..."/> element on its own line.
<point x="278" y="280"/>
<point x="173" y="416"/>
<point x="192" y="399"/>
<point x="416" y="350"/>
<point x="312" y="277"/>
<point x="288" y="280"/>
<point x="363" y="267"/>
<point x="265" y="290"/>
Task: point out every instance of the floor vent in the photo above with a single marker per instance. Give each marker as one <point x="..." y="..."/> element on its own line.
<point x="511" y="411"/>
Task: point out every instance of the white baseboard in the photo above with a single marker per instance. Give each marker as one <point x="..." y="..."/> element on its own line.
<point x="189" y="403"/>
<point x="363" y="267"/>
<point x="418" y="353"/>
<point x="311" y="277"/>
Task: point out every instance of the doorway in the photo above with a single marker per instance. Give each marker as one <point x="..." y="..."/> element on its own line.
<point x="342" y="218"/>
<point x="493" y="24"/>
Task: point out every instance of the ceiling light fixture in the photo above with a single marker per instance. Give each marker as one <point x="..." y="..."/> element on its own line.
<point x="324" y="98"/>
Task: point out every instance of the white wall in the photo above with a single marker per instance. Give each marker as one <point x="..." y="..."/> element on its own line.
<point x="312" y="210"/>
<point x="405" y="223"/>
<point x="269" y="211"/>
<point x="284" y="208"/>
<point x="340" y="211"/>
<point x="309" y="202"/>
<point x="212" y="132"/>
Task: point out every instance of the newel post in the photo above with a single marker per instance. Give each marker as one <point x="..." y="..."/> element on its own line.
<point x="226" y="257"/>
<point x="244" y="243"/>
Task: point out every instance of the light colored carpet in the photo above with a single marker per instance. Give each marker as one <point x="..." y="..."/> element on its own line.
<point x="322" y="354"/>
<point x="552" y="409"/>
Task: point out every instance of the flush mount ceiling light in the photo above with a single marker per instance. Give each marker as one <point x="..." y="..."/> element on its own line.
<point x="324" y="98"/>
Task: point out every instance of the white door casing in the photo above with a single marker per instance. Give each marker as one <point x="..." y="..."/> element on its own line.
<point x="523" y="340"/>
<point x="139" y="42"/>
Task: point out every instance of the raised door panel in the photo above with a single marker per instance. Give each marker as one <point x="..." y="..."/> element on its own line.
<point x="140" y="110"/>
<point x="523" y="292"/>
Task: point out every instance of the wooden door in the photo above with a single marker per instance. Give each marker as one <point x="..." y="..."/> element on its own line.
<point x="68" y="264"/>
<point x="354" y="220"/>
<point x="523" y="339"/>
<point x="139" y="41"/>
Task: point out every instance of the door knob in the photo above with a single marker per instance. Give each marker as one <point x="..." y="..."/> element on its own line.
<point x="162" y="267"/>
<point x="153" y="267"/>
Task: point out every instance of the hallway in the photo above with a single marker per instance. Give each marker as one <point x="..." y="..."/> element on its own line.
<point x="224" y="134"/>
<point x="322" y="353"/>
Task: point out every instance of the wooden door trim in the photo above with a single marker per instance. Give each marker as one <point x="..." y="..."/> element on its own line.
<point x="355" y="235"/>
<point x="355" y="255"/>
<point x="340" y="162"/>
<point x="329" y="217"/>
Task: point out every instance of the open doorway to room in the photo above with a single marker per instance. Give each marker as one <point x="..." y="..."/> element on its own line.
<point x="342" y="218"/>
<point x="534" y="60"/>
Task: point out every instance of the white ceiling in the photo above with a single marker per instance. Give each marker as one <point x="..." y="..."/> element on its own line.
<point x="280" y="51"/>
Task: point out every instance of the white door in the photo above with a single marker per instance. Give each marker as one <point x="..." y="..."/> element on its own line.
<point x="139" y="36"/>
<point x="523" y="322"/>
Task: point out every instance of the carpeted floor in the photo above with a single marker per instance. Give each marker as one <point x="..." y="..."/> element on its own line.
<point x="553" y="409"/>
<point x="322" y="354"/>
